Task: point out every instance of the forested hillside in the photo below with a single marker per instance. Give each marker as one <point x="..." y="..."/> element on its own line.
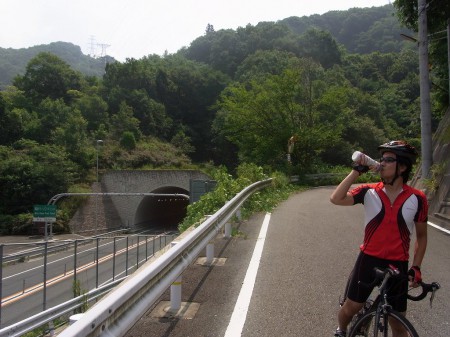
<point x="231" y="97"/>
<point x="358" y="30"/>
<point x="14" y="61"/>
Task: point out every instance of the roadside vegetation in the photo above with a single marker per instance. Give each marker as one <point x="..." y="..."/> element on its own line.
<point x="264" y="200"/>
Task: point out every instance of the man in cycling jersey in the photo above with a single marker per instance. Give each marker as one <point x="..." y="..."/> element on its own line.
<point x="393" y="211"/>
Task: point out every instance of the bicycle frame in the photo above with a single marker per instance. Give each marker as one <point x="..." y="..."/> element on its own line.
<point x="380" y="311"/>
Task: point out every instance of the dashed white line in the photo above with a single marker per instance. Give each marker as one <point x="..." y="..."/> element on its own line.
<point x="239" y="315"/>
<point x="439" y="227"/>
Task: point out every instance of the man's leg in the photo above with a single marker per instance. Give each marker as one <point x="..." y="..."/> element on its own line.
<point x="346" y="313"/>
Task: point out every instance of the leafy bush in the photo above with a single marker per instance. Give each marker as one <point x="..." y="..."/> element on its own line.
<point x="436" y="170"/>
<point x="5" y="224"/>
<point x="227" y="187"/>
<point x="68" y="206"/>
<point x="128" y="141"/>
<point x="21" y="224"/>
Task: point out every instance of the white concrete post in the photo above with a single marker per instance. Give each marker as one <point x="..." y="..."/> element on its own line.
<point x="74" y="318"/>
<point x="175" y="290"/>
<point x="175" y="295"/>
<point x="51" y="328"/>
<point x="210" y="253"/>
<point x="238" y="214"/>
<point x="228" y="230"/>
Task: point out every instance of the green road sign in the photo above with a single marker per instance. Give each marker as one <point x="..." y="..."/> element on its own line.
<point x="44" y="213"/>
<point x="198" y="187"/>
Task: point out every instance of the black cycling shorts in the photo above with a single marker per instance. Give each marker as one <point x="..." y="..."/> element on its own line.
<point x="363" y="272"/>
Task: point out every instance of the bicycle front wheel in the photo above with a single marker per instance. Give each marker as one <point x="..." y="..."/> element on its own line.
<point x="368" y="327"/>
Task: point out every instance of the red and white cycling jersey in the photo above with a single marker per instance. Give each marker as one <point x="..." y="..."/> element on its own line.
<point x="388" y="227"/>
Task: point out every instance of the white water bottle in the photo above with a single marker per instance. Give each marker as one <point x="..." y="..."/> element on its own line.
<point x="363" y="159"/>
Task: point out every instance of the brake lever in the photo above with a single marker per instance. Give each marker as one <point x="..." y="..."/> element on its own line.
<point x="435" y="286"/>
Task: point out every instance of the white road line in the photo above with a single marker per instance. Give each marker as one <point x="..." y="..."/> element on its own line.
<point x="438" y="227"/>
<point x="239" y="315"/>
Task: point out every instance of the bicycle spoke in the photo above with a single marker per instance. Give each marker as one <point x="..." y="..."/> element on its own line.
<point x="368" y="327"/>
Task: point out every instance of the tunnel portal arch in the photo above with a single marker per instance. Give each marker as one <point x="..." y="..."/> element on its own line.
<point x="162" y="213"/>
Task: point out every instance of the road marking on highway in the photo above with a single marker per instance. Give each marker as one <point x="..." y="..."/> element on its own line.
<point x="5" y="301"/>
<point x="439" y="227"/>
<point x="239" y="315"/>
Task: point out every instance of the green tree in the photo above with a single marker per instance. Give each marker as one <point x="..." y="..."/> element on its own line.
<point x="263" y="63"/>
<point x="94" y="109"/>
<point x="124" y="121"/>
<point x="438" y="16"/>
<point x="73" y="137"/>
<point x="128" y="141"/>
<point x="182" y="142"/>
<point x="31" y="174"/>
<point x="209" y="29"/>
<point x="16" y="118"/>
<point x="150" y="113"/>
<point x="321" y="47"/>
<point x="260" y="117"/>
<point x="47" y="76"/>
<point x="350" y="113"/>
<point x="51" y="114"/>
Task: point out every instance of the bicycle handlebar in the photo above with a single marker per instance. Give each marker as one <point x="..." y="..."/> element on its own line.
<point x="426" y="288"/>
<point x="383" y="274"/>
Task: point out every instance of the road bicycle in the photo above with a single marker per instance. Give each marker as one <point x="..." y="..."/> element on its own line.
<point x="372" y="320"/>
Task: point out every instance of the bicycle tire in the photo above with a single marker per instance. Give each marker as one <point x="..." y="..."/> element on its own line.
<point x="364" y="326"/>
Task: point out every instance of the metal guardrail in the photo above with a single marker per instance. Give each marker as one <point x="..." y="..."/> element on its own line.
<point x="52" y="247"/>
<point x="18" y="328"/>
<point x="35" y="321"/>
<point x="34" y="252"/>
<point x="117" y="312"/>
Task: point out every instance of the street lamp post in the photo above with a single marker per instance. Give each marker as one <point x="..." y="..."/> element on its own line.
<point x="99" y="141"/>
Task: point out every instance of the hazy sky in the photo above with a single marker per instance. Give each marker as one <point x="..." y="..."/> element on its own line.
<point x="136" y="28"/>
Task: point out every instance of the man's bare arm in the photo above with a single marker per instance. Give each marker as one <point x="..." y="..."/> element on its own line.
<point x="421" y="243"/>
<point x="341" y="195"/>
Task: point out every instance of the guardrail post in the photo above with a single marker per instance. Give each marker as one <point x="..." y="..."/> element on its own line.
<point x="114" y="260"/>
<point x="126" y="258"/>
<point x="51" y="328"/>
<point x="1" y="280"/>
<point x="238" y="214"/>
<point x="210" y="253"/>
<point x="175" y="290"/>
<point x="75" y="247"/>
<point x="96" y="261"/>
<point x="228" y="230"/>
<point x="44" y="292"/>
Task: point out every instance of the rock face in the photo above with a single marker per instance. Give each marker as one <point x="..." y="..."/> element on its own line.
<point x="439" y="193"/>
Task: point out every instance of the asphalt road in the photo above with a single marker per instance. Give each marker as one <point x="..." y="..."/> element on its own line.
<point x="308" y="253"/>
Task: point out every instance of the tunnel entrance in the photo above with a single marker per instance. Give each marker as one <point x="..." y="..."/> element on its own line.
<point x="162" y="213"/>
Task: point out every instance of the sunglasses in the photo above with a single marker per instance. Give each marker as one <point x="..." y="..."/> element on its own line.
<point x="387" y="159"/>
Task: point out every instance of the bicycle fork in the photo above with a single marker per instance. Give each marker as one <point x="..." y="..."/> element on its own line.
<point x="381" y="322"/>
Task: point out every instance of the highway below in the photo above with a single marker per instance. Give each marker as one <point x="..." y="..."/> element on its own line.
<point x="283" y="274"/>
<point x="97" y="261"/>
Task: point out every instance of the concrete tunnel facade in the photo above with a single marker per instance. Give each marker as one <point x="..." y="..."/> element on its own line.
<point x="162" y="213"/>
<point x="158" y="213"/>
